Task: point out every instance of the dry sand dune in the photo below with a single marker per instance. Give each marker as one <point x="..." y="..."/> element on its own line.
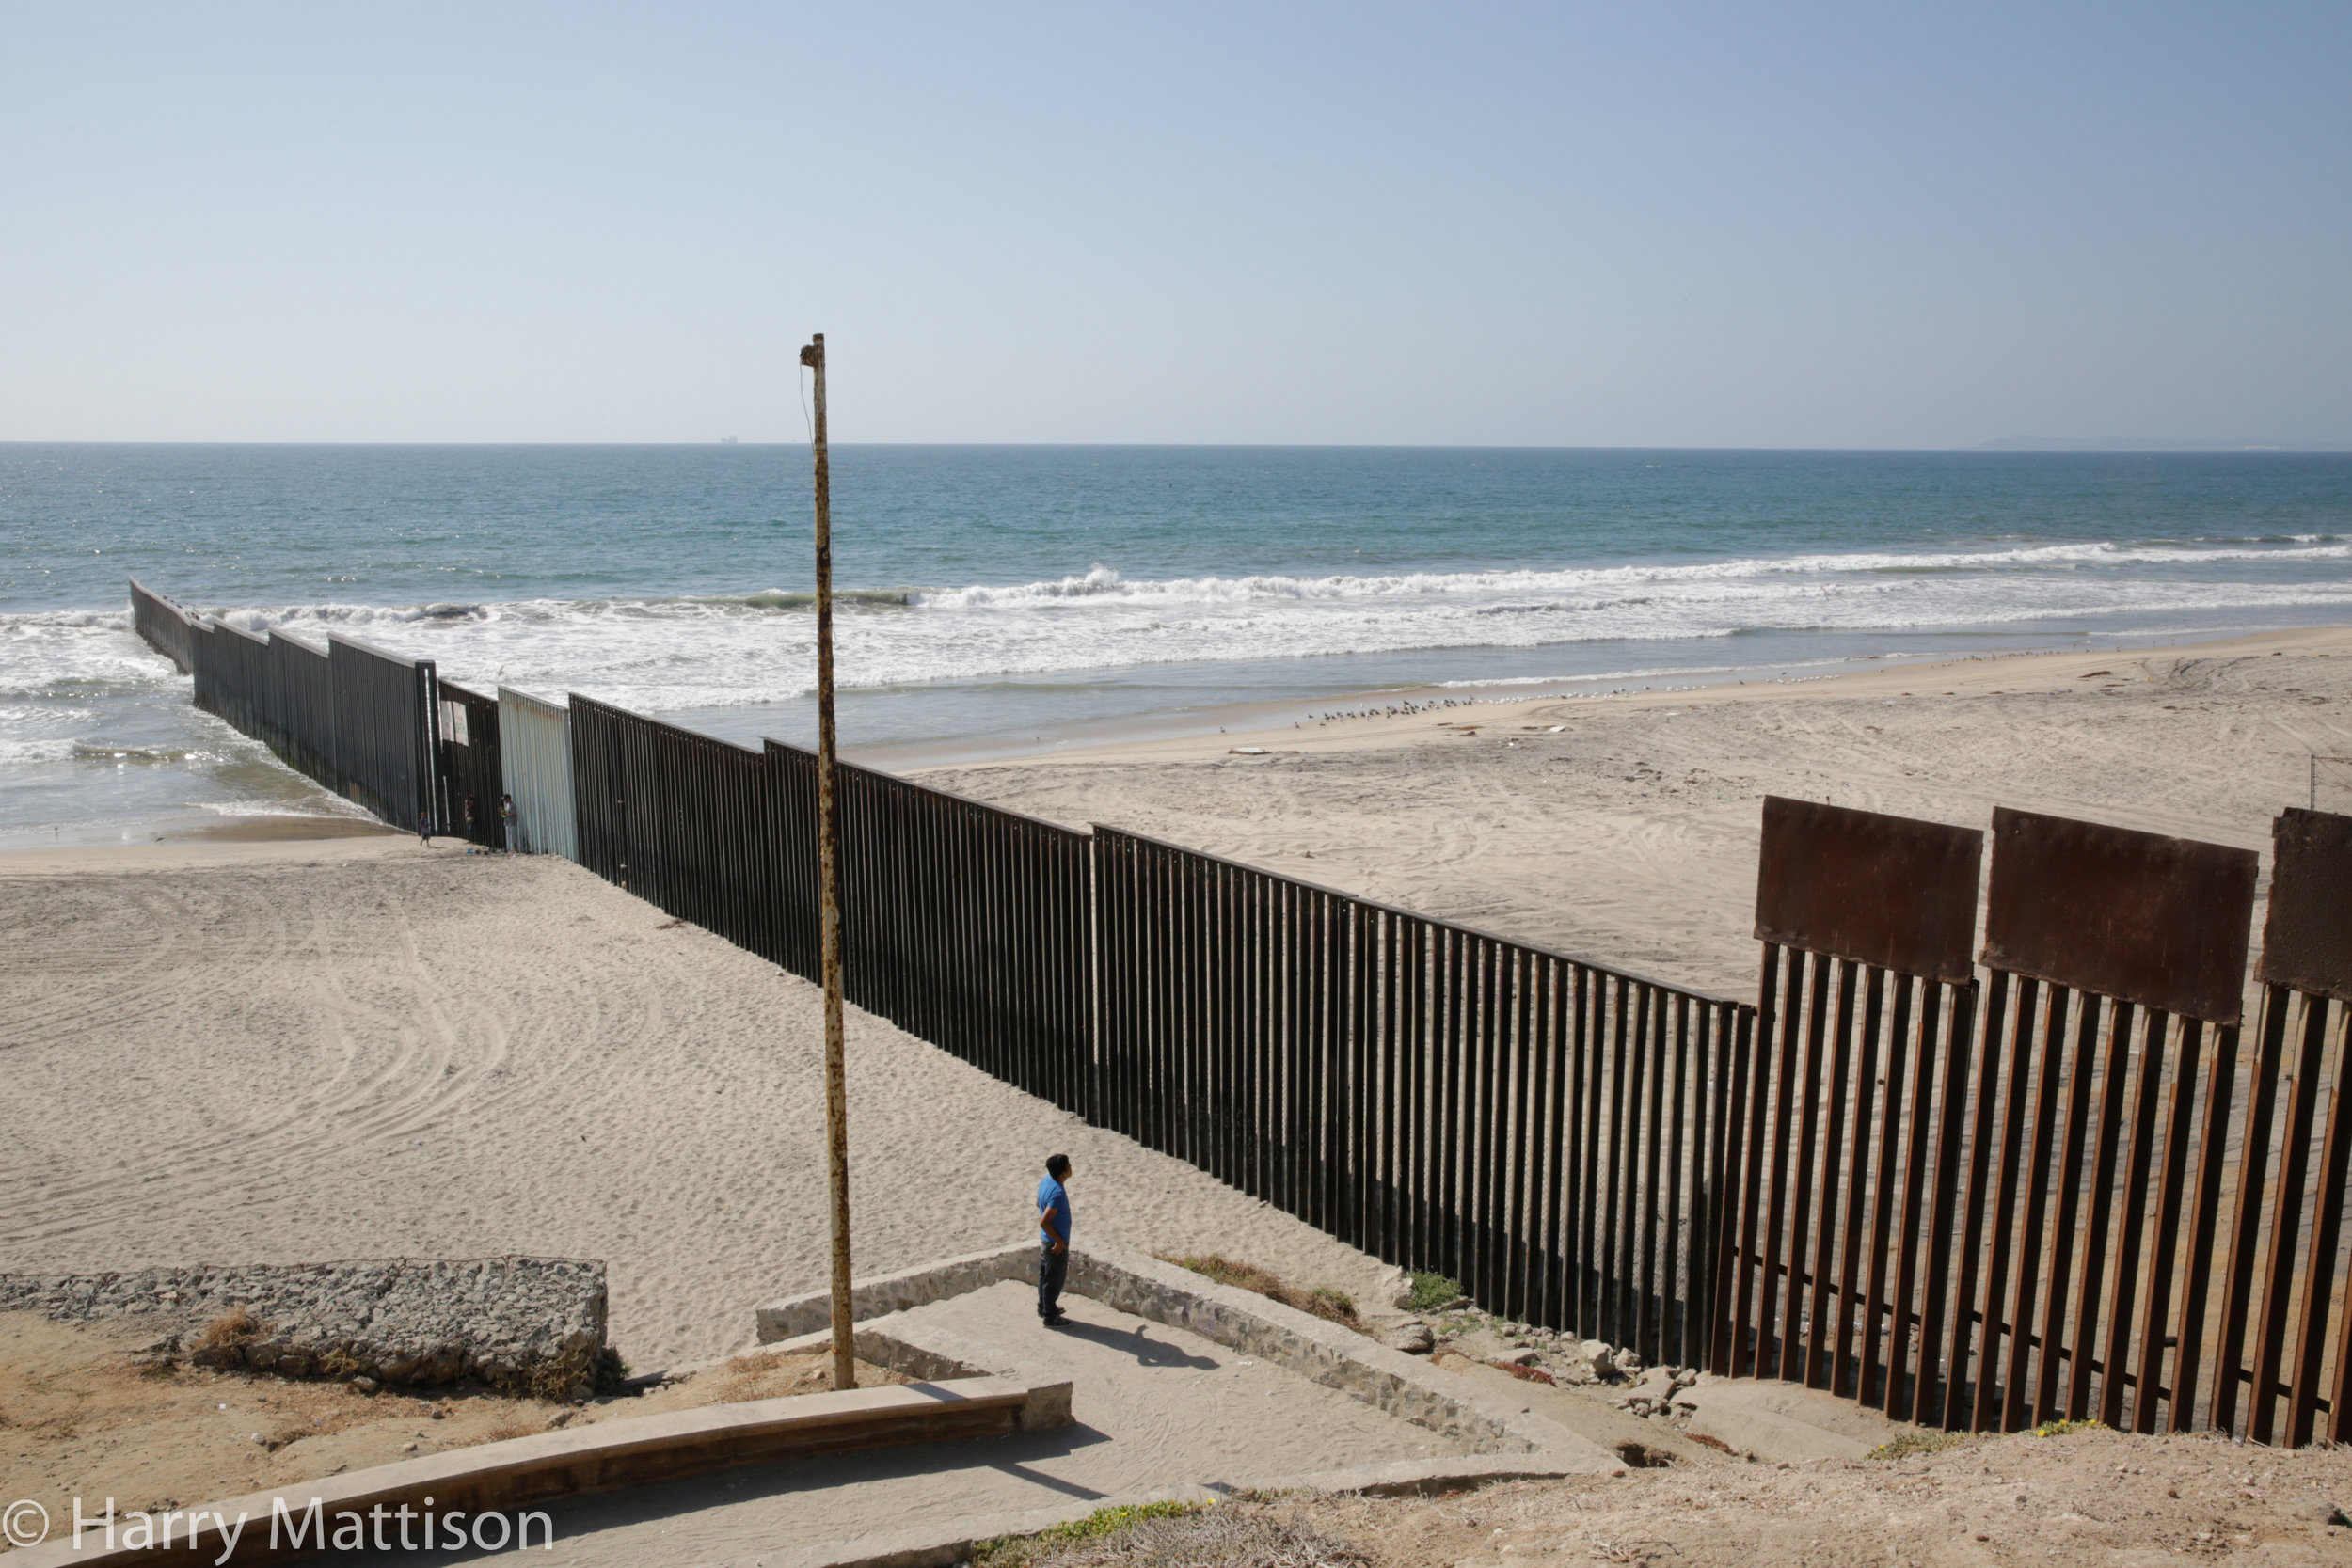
<point x="385" y="1050"/>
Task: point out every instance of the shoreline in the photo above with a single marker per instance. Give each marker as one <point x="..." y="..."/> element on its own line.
<point x="1971" y="675"/>
<point x="1624" y="829"/>
<point x="1362" y="721"/>
<point x="371" y="1015"/>
<point x="1092" y="738"/>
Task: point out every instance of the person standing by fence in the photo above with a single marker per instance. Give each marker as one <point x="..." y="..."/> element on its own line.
<point x="508" y="820"/>
<point x="1053" y="1227"/>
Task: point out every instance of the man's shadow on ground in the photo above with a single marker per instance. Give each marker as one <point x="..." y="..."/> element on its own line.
<point x="1136" y="1342"/>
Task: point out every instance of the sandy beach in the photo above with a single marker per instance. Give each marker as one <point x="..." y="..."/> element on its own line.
<point x="300" y="1050"/>
<point x="1624" y="828"/>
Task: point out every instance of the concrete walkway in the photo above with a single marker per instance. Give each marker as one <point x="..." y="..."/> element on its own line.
<point x="1155" y="1407"/>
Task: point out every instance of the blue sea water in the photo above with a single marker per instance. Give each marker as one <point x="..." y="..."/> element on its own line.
<point x="1011" y="598"/>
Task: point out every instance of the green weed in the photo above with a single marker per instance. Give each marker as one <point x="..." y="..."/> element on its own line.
<point x="1013" y="1551"/>
<point x="1434" y="1289"/>
<point x="1912" y="1443"/>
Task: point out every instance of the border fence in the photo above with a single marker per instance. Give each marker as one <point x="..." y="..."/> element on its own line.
<point x="1975" y="1191"/>
<point x="472" y="772"/>
<point x="2069" y="1202"/>
<point x="535" y="765"/>
<point x="1542" y="1129"/>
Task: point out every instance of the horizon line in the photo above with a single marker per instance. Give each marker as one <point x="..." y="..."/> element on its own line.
<point x="2116" y="445"/>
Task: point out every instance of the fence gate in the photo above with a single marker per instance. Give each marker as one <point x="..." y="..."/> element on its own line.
<point x="470" y="765"/>
<point x="535" y="767"/>
<point x="2294" y="1354"/>
<point x="1834" y="1238"/>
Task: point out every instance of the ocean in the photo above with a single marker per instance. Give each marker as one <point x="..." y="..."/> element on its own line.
<point x="1001" y="600"/>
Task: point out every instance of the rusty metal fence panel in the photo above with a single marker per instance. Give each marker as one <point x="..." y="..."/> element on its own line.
<point x="2062" y="1163"/>
<point x="2097" y="1151"/>
<point x="2282" y="1366"/>
<point x="535" y="767"/>
<point x="1542" y="1129"/>
<point x="355" y="718"/>
<point x="232" y="671"/>
<point x="1835" y="1235"/>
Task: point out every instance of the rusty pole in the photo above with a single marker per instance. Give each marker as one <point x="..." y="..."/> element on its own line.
<point x="829" y="901"/>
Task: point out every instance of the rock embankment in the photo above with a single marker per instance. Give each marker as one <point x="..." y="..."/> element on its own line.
<point x="522" y="1325"/>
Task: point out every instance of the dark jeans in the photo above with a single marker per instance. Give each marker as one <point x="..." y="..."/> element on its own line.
<point x="1051" y="1268"/>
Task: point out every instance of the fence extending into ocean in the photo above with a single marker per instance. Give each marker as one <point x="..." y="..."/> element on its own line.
<point x="1974" y="1191"/>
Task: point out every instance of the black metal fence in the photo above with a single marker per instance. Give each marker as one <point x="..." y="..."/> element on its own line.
<point x="1978" y="1202"/>
<point x="357" y="720"/>
<point x="690" y="824"/>
<point x="302" y="710"/>
<point x="163" y="625"/>
<point x="472" y="772"/>
<point x="2283" y="1364"/>
<point x="969" y="927"/>
<point x="385" y="732"/>
<point x="1545" y="1130"/>
<point x="966" y="925"/>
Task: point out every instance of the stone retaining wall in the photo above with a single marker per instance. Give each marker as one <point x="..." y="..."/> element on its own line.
<point x="534" y="1324"/>
<point x="1403" y="1385"/>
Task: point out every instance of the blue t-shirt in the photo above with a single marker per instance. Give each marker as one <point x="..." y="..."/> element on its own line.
<point x="1053" y="1199"/>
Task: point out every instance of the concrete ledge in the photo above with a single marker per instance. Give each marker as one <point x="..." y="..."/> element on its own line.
<point x="896" y="1293"/>
<point x="525" y="1471"/>
<point x="1405" y="1386"/>
<point x="937" y="1354"/>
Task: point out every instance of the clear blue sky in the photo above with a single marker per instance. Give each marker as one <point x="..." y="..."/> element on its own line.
<point x="1769" y="225"/>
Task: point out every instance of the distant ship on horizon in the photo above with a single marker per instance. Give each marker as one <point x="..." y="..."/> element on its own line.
<point x="727" y="440"/>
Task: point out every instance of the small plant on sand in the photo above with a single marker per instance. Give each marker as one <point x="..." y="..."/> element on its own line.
<point x="2059" y="1429"/>
<point x="1334" y="1305"/>
<point x="1016" y="1551"/>
<point x="1433" y="1291"/>
<point x="1912" y="1443"/>
<point x="1176" y="1535"/>
<point x="235" y="1327"/>
<point x="1338" y="1306"/>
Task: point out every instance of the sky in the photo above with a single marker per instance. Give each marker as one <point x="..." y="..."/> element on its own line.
<point x="1559" y="225"/>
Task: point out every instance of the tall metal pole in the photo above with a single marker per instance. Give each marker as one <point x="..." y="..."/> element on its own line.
<point x="828" y="903"/>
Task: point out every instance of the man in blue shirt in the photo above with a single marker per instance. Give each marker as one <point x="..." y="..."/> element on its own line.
<point x="1052" y="1238"/>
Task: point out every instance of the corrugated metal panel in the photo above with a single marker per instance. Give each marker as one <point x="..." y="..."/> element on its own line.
<point x="163" y="625"/>
<point x="536" y="756"/>
<point x="383" y="729"/>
